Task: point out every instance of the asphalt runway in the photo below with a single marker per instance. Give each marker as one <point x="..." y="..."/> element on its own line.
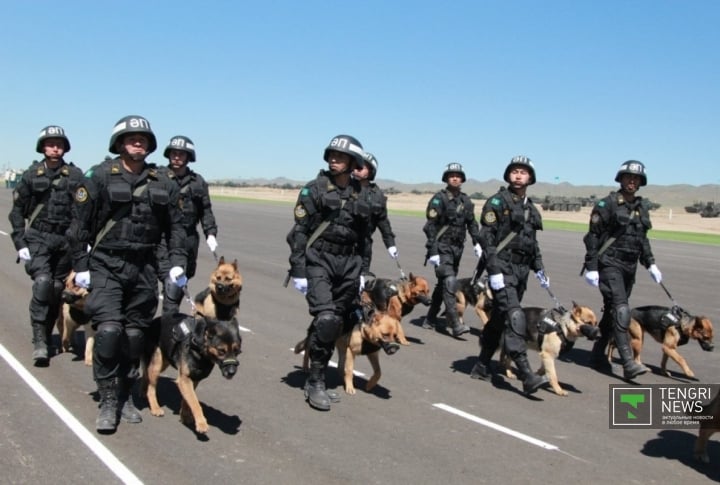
<point x="427" y="421"/>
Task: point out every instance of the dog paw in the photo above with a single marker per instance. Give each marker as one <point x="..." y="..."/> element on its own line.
<point x="159" y="412"/>
<point x="702" y="457"/>
<point x="404" y="342"/>
<point x="561" y="392"/>
<point x="350" y="390"/>
<point x="201" y="427"/>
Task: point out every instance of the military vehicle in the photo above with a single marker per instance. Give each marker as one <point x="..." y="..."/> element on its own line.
<point x="696" y="207"/>
<point x="711" y="209"/>
<point x="561" y="203"/>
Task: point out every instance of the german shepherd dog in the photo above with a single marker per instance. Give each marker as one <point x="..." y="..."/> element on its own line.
<point x="72" y="316"/>
<point x="553" y="332"/>
<point x="670" y="327"/>
<point x="376" y="331"/>
<point x="707" y="428"/>
<point x="221" y="299"/>
<point x="193" y="345"/>
<point x="477" y="295"/>
<point x="397" y="298"/>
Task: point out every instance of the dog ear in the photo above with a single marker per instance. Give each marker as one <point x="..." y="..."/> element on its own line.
<point x="412" y="276"/>
<point x="235" y="264"/>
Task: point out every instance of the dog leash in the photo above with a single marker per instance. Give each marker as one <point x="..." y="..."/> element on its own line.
<point x="557" y="303"/>
<point x="186" y="292"/>
<point x="402" y="273"/>
<point x="662" y="285"/>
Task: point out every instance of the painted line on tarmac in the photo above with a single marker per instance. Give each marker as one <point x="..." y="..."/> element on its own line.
<point x="332" y="363"/>
<point x="105" y="455"/>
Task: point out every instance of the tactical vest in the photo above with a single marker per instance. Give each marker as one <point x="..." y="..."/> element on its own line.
<point x="454" y="216"/>
<point x="54" y="194"/>
<point x="629" y="223"/>
<point x="517" y="221"/>
<point x="347" y="216"/>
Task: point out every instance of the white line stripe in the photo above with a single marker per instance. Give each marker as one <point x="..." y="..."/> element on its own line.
<point x="496" y="427"/>
<point x="4" y="233"/>
<point x="105" y="455"/>
<point x="332" y="363"/>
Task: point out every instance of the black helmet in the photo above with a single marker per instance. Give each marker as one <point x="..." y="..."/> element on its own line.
<point x="346" y="144"/>
<point x="132" y="124"/>
<point x="52" y="131"/>
<point x="372" y="164"/>
<point x="520" y="161"/>
<point x="453" y="168"/>
<point x="634" y="167"/>
<point x="182" y="143"/>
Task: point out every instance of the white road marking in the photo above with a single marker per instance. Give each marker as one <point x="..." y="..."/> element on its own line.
<point x="93" y="444"/>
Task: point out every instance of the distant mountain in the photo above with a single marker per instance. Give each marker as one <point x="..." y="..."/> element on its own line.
<point x="678" y="195"/>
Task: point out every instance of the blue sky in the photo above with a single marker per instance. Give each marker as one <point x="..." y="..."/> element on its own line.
<point x="261" y="87"/>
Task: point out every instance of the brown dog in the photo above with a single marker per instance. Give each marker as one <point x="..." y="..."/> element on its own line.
<point x="552" y="332"/>
<point x="221" y="299"/>
<point x="670" y="327"/>
<point x="707" y="428"/>
<point x="72" y="316"/>
<point x="397" y="298"/>
<point x="477" y="295"/>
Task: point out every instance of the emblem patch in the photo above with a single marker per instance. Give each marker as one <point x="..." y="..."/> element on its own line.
<point x="436" y="202"/>
<point x="305" y="191"/>
<point x="489" y="217"/>
<point x="432" y="214"/>
<point x="595" y="218"/>
<point x="300" y="211"/>
<point x="495" y="201"/>
<point x="81" y="195"/>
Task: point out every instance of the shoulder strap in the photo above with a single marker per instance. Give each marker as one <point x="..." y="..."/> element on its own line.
<point x="510" y="236"/>
<point x="321" y="228"/>
<point x="119" y="214"/>
<point x="39" y="207"/>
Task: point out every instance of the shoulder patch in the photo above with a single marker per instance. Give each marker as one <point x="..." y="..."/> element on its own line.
<point x="89" y="173"/>
<point x="436" y="202"/>
<point x="300" y="211"/>
<point x="305" y="191"/>
<point x="594" y="218"/>
<point x="81" y="195"/>
<point x="601" y="203"/>
<point x="432" y="214"/>
<point x="489" y="217"/>
<point x="495" y="201"/>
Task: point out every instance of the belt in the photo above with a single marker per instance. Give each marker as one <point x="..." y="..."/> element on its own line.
<point x="55" y="228"/>
<point x="628" y="256"/>
<point x="333" y="248"/>
<point x="516" y="257"/>
<point x="128" y="252"/>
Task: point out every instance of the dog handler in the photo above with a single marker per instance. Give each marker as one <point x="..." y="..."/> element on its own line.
<point x="449" y="214"/>
<point x="40" y="215"/>
<point x="327" y="243"/>
<point x="510" y="221"/>
<point x="616" y="241"/>
<point x="122" y="209"/>
<point x="196" y="208"/>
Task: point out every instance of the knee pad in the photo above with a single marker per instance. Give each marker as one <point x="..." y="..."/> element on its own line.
<point x="328" y="327"/>
<point x="135" y="343"/>
<point x="450" y="284"/>
<point x="517" y="322"/>
<point x="172" y="291"/>
<point x="107" y="340"/>
<point x="43" y="288"/>
<point x="622" y="317"/>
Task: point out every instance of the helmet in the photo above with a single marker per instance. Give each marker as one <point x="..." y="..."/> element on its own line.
<point x="372" y="164"/>
<point x="52" y="131"/>
<point x="183" y="143"/>
<point x="634" y="167"/>
<point x="520" y="161"/>
<point x="346" y="144"/>
<point x="132" y="124"/>
<point x="453" y="168"/>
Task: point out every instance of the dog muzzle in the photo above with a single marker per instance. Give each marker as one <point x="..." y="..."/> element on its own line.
<point x="590" y="332"/>
<point x="390" y="347"/>
<point x="423" y="299"/>
<point x="229" y="368"/>
<point x="706" y="346"/>
<point x="222" y="289"/>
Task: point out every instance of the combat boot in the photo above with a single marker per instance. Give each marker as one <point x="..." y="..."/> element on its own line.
<point x="531" y="381"/>
<point x="315" y="393"/>
<point x="631" y="369"/>
<point x="598" y="360"/>
<point x="106" y="421"/>
<point x="128" y="412"/>
<point x="430" y="320"/>
<point x="457" y="328"/>
<point x="40" y="348"/>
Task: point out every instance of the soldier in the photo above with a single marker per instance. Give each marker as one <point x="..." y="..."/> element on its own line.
<point x="123" y="208"/>
<point x="40" y="216"/>
<point x="508" y="236"/>
<point x="373" y="195"/>
<point x="327" y="242"/>
<point x="616" y="241"/>
<point x="196" y="208"/>
<point x="450" y="213"/>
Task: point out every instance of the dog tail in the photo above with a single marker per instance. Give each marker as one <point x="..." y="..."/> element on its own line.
<point x="300" y="346"/>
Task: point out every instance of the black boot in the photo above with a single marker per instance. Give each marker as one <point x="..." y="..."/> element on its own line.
<point x="631" y="369"/>
<point x="531" y="381"/>
<point x="457" y="328"/>
<point x="106" y="421"/>
<point x="40" y="348"/>
<point x="128" y="412"/>
<point x="482" y="369"/>
<point x="315" y="392"/>
<point x="598" y="359"/>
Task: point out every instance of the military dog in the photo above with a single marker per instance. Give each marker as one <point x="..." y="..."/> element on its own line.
<point x="553" y="332"/>
<point x="221" y="299"/>
<point x="72" y="316"/>
<point x="397" y="298"/>
<point x="707" y="428"/>
<point x="477" y="295"/>
<point x="670" y="327"/>
<point x="193" y="345"/>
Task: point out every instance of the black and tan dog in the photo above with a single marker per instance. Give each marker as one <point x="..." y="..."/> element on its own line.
<point x="707" y="428"/>
<point x="194" y="346"/>
<point x="670" y="327"/>
<point x="477" y="295"/>
<point x="552" y="332"/>
<point x="72" y="316"/>
<point x="397" y="298"/>
<point x="221" y="299"/>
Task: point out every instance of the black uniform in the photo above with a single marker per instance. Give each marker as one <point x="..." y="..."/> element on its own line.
<point x="376" y="199"/>
<point x="331" y="263"/>
<point x="122" y="263"/>
<point x="44" y="198"/>
<point x="196" y="208"/>
<point x="503" y="214"/>
<point x="448" y="218"/>
<point x="628" y="223"/>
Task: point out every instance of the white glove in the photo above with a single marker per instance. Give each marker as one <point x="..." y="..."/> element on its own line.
<point x="212" y="243"/>
<point x="593" y="278"/>
<point x="177" y="276"/>
<point x="300" y="284"/>
<point x="543" y="279"/>
<point x="478" y="250"/>
<point x="362" y="283"/>
<point x="655" y="273"/>
<point x="82" y="279"/>
<point x="434" y="260"/>
<point x="393" y="252"/>
<point x="24" y="254"/>
<point x="88" y="249"/>
<point x="497" y="281"/>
